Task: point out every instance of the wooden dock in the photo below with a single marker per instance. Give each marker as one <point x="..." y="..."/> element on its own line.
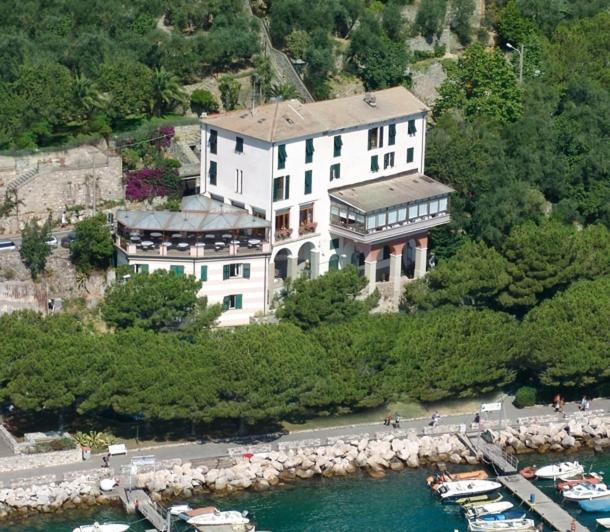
<point x="142" y="503"/>
<point x="553" y="514"/>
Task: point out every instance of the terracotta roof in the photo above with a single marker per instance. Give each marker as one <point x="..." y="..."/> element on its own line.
<point x="279" y="121"/>
<point x="401" y="188"/>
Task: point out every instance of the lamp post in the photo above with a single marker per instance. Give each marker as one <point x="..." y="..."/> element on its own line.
<point x="521" y="52"/>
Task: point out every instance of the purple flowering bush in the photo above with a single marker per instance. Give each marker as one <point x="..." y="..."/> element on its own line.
<point x="148" y="183"/>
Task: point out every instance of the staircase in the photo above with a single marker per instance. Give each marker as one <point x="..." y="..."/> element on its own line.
<point x="23" y="179"/>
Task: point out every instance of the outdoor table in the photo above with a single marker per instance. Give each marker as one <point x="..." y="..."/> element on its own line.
<point x="210" y="236"/>
<point x="235" y="242"/>
<point x="227" y="236"/>
<point x="166" y="244"/>
<point x="177" y="235"/>
<point x="219" y="245"/>
<point x="147" y="244"/>
<point x="200" y="245"/>
<point x="253" y="242"/>
<point x="156" y="235"/>
<point x="134" y="238"/>
<point x="182" y="245"/>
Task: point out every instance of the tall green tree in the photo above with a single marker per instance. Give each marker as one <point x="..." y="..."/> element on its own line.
<point x="166" y="92"/>
<point x="460" y="22"/>
<point x="34" y="249"/>
<point x="92" y="247"/>
<point x="430" y="17"/>
<point x="229" y="92"/>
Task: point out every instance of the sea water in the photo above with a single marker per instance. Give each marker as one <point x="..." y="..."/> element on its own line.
<point x="400" y="501"/>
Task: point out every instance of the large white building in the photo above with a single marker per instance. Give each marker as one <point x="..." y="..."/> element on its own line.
<point x="336" y="182"/>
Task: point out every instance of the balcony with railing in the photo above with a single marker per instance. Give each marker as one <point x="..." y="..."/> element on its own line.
<point x="390" y="207"/>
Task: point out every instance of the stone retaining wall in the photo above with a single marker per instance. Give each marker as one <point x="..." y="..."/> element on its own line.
<point x="32" y="461"/>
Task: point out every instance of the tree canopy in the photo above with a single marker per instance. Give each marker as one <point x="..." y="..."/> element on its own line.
<point x="92" y="247"/>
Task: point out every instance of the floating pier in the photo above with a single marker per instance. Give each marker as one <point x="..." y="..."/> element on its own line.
<point x="138" y="500"/>
<point x="503" y="463"/>
<point x="553" y="514"/>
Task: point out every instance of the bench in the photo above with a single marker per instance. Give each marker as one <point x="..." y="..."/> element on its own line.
<point x="118" y="448"/>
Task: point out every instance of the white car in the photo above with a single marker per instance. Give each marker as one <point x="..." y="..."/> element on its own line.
<point x="52" y="242"/>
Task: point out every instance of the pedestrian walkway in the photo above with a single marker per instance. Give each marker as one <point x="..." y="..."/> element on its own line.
<point x="212" y="450"/>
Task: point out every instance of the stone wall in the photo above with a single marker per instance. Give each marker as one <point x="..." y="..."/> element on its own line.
<point x="22" y="295"/>
<point x="41" y="460"/>
<point x="53" y="183"/>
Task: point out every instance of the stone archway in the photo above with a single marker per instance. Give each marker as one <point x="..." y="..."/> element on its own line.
<point x="281" y="263"/>
<point x="304" y="256"/>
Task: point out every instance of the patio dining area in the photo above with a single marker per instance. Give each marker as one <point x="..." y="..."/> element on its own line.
<point x="191" y="234"/>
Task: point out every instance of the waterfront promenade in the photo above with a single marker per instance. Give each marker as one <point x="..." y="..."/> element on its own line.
<point x="209" y="450"/>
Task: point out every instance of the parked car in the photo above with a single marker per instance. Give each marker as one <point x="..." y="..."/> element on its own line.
<point x="52" y="242"/>
<point x="7" y="245"/>
<point x="67" y="240"/>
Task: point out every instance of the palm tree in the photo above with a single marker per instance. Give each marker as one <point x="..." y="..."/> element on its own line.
<point x="87" y="100"/>
<point x="285" y="91"/>
<point x="166" y="92"/>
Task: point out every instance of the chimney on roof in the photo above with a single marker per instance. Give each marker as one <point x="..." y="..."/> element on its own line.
<point x="370" y="99"/>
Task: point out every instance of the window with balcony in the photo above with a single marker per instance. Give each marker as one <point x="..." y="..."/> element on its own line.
<point x="239" y="145"/>
<point x="282" y="225"/>
<point x="232" y="302"/>
<point x="232" y="271"/>
<point x="308" y="181"/>
<point x="388" y="160"/>
<point x="392" y="134"/>
<point x="281" y="156"/>
<point x="374" y="138"/>
<point x="375" y="163"/>
<point x="212" y="173"/>
<point x="337" y="146"/>
<point x="281" y="188"/>
<point x="411" y="129"/>
<point x="335" y="171"/>
<point x="309" y="150"/>
<point x="306" y="223"/>
<point x="410" y="154"/>
<point x="213" y="141"/>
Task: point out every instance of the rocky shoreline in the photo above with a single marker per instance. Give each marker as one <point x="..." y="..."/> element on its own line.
<point x="261" y="471"/>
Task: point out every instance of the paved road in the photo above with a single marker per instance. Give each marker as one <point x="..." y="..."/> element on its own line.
<point x="57" y="234"/>
<point x="211" y="450"/>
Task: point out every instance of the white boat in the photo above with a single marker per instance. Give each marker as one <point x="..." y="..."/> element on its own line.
<point x="488" y="509"/>
<point x="520" y="525"/>
<point x="464" y="488"/>
<point x="604" y="522"/>
<point x="178" y="509"/>
<point x="561" y="470"/>
<point x="211" y="516"/>
<point x="105" y="527"/>
<point x="586" y="492"/>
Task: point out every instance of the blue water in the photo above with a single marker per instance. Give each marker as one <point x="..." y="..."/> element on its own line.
<point x="399" y="501"/>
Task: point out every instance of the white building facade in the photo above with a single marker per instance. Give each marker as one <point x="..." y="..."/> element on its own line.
<point x="340" y="181"/>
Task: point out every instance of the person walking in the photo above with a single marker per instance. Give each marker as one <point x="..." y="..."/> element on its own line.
<point x="396" y="420"/>
<point x="436" y="417"/>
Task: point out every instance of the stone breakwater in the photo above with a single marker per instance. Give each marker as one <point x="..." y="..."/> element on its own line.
<point x="263" y="470"/>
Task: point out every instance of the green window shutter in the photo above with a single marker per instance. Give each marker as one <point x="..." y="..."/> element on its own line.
<point x="239" y="144"/>
<point x="287" y="187"/>
<point x="309" y="150"/>
<point x="380" y="137"/>
<point x="143" y="268"/>
<point x="333" y="263"/>
<point x="410" y="152"/>
<point x="203" y="276"/>
<point x="308" y="180"/>
<point x="177" y="270"/>
<point x="281" y="156"/>
<point x="226" y="301"/>
<point x="226" y="272"/>
<point x="213" y="142"/>
<point x="213" y="172"/>
<point x="392" y="134"/>
<point x="334" y="244"/>
<point x="338" y="146"/>
<point x="374" y="163"/>
<point x="276" y="189"/>
<point x="246" y="271"/>
<point x="238" y="301"/>
<point x="411" y="129"/>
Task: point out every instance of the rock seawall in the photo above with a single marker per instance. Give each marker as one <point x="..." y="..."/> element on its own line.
<point x="261" y="471"/>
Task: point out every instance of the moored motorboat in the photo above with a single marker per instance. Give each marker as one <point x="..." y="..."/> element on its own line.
<point x="528" y="472"/>
<point x="591" y="478"/>
<point x="595" y="505"/>
<point x="487" y="509"/>
<point x="450" y="491"/>
<point x="604" y="522"/>
<point x="561" y="470"/>
<point x="103" y="527"/>
<point x="520" y="525"/>
<point x="434" y="481"/>
<point x="504" y="516"/>
<point x="478" y="500"/>
<point x="586" y="491"/>
<point x="209" y="517"/>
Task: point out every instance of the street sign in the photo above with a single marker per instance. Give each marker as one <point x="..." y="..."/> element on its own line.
<point x="491" y="407"/>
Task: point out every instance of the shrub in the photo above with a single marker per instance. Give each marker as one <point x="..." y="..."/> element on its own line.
<point x="202" y="101"/>
<point x="525" y="396"/>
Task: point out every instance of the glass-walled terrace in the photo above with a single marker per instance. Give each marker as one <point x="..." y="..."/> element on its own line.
<point x="363" y="223"/>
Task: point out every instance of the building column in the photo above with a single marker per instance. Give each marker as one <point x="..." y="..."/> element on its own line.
<point x="314" y="263"/>
<point x="292" y="270"/>
<point x="396" y="270"/>
<point x="421" y="256"/>
<point x="370" y="269"/>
